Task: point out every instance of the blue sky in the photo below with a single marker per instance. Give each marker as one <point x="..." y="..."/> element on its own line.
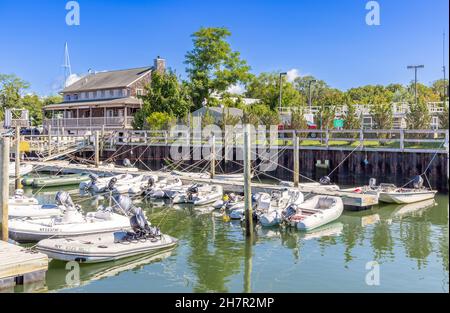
<point x="328" y="39"/>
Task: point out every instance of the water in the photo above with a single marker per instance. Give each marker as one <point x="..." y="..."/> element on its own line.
<point x="410" y="246"/>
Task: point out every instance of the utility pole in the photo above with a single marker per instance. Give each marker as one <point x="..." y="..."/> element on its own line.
<point x="443" y="69"/>
<point x="415" y="68"/>
<point x="17" y="184"/>
<point x="281" y="90"/>
<point x="4" y="181"/>
<point x="310" y="97"/>
<point x="296" y="160"/>
<point x="248" y="183"/>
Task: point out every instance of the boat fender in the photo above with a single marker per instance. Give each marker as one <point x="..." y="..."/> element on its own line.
<point x="326" y="180"/>
<point x="112" y="183"/>
<point x="127" y="163"/>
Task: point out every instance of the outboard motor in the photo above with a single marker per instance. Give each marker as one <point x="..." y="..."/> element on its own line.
<point x="127" y="163"/>
<point x="112" y="183"/>
<point x="151" y="182"/>
<point x="123" y="203"/>
<point x="326" y="180"/>
<point x="373" y="183"/>
<point x="94" y="178"/>
<point x="289" y="212"/>
<point x="418" y="182"/>
<point x="63" y="198"/>
<point x="141" y="228"/>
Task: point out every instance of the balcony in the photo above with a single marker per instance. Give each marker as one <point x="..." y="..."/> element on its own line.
<point x="90" y="122"/>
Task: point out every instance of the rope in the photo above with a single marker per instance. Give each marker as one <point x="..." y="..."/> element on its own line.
<point x="345" y="159"/>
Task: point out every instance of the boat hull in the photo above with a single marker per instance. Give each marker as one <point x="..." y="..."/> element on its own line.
<point x="89" y="249"/>
<point x="406" y="197"/>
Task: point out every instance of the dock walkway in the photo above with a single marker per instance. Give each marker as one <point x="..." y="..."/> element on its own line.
<point x="19" y="265"/>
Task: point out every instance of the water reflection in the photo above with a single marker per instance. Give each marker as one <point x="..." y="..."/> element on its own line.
<point x="214" y="256"/>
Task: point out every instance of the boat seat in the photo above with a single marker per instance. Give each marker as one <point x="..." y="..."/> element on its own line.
<point x="102" y="215"/>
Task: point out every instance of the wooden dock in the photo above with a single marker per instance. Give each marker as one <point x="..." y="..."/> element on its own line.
<point x="20" y="266"/>
<point x="351" y="200"/>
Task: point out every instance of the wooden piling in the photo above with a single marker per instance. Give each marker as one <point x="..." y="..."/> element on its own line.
<point x="97" y="149"/>
<point x="49" y="140"/>
<point x="17" y="184"/>
<point x="296" y="160"/>
<point x="213" y="156"/>
<point x="4" y="182"/>
<point x="247" y="182"/>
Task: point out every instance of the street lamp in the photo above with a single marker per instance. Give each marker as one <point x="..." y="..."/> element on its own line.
<point x="415" y="68"/>
<point x="281" y="88"/>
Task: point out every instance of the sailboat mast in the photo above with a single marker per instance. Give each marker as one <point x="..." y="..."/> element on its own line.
<point x="67" y="67"/>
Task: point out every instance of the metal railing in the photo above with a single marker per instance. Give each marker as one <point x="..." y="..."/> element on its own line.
<point x="96" y="122"/>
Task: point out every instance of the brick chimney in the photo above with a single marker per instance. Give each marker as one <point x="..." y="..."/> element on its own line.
<point x="160" y="65"/>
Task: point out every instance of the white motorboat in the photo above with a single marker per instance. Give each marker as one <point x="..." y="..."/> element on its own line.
<point x="20" y="206"/>
<point x="390" y="193"/>
<point x="156" y="191"/>
<point x="71" y="223"/>
<point x="228" y="201"/>
<point x="313" y="213"/>
<point x="24" y="169"/>
<point x="110" y="246"/>
<point x="19" y="199"/>
<point x="125" y="184"/>
<point x="207" y="175"/>
<point x="208" y="194"/>
<point x="270" y="214"/>
<point x="97" y="183"/>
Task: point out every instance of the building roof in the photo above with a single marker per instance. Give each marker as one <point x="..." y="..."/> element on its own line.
<point x="219" y="111"/>
<point x="108" y="80"/>
<point x="131" y="101"/>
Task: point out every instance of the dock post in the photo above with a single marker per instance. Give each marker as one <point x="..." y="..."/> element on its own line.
<point x="402" y="140"/>
<point x="296" y="160"/>
<point x="213" y="156"/>
<point x="17" y="184"/>
<point x="4" y="180"/>
<point x="96" y="149"/>
<point x="49" y="140"/>
<point x="247" y="182"/>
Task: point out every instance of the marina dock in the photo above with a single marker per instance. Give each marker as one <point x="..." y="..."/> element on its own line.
<point x="351" y="200"/>
<point x="20" y="266"/>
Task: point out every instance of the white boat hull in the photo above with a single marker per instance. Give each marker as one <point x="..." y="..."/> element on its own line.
<point x="33" y="211"/>
<point x="24" y="169"/>
<point x="321" y="216"/>
<point x="95" y="249"/>
<point x="406" y="197"/>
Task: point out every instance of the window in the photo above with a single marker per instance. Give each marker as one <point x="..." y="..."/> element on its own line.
<point x="120" y="92"/>
<point x="67" y="97"/>
<point x="139" y="92"/>
<point x="75" y="97"/>
<point x="91" y="95"/>
<point x="86" y="95"/>
<point x="111" y="93"/>
<point x="103" y="93"/>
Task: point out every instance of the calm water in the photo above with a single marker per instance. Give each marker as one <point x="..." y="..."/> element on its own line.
<point x="409" y="243"/>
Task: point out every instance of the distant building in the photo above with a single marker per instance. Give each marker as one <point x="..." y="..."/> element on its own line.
<point x="218" y="113"/>
<point x="103" y="99"/>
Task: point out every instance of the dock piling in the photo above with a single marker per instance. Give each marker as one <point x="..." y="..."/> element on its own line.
<point x="4" y="180"/>
<point x="213" y="156"/>
<point x="296" y="160"/>
<point x="17" y="184"/>
<point x="97" y="148"/>
<point x="247" y="182"/>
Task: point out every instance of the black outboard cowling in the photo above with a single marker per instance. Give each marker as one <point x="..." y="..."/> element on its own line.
<point x="93" y="177"/>
<point x="138" y="222"/>
<point x="418" y="182"/>
<point x="326" y="180"/>
<point x="193" y="189"/>
<point x="151" y="182"/>
<point x="112" y="183"/>
<point x="63" y="198"/>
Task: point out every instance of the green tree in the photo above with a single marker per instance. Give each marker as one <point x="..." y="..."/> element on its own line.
<point x="326" y="116"/>
<point x="34" y="105"/>
<point x="261" y="114"/>
<point x="298" y="121"/>
<point x="382" y="115"/>
<point x="11" y="92"/>
<point x="418" y="116"/>
<point x="159" y="121"/>
<point x="163" y="94"/>
<point x="208" y="119"/>
<point x="212" y="66"/>
<point x="440" y="87"/>
<point x="266" y="87"/>
<point x="228" y="119"/>
<point x="318" y="88"/>
<point x="352" y="120"/>
<point x="370" y="94"/>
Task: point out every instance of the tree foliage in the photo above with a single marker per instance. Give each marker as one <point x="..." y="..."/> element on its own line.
<point x="266" y="87"/>
<point x="261" y="114"/>
<point x="163" y="94"/>
<point x="418" y="116"/>
<point x="159" y="121"/>
<point x="212" y="66"/>
<point x="352" y="120"/>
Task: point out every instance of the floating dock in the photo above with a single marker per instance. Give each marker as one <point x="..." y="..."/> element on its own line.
<point x="20" y="266"/>
<point x="351" y="200"/>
